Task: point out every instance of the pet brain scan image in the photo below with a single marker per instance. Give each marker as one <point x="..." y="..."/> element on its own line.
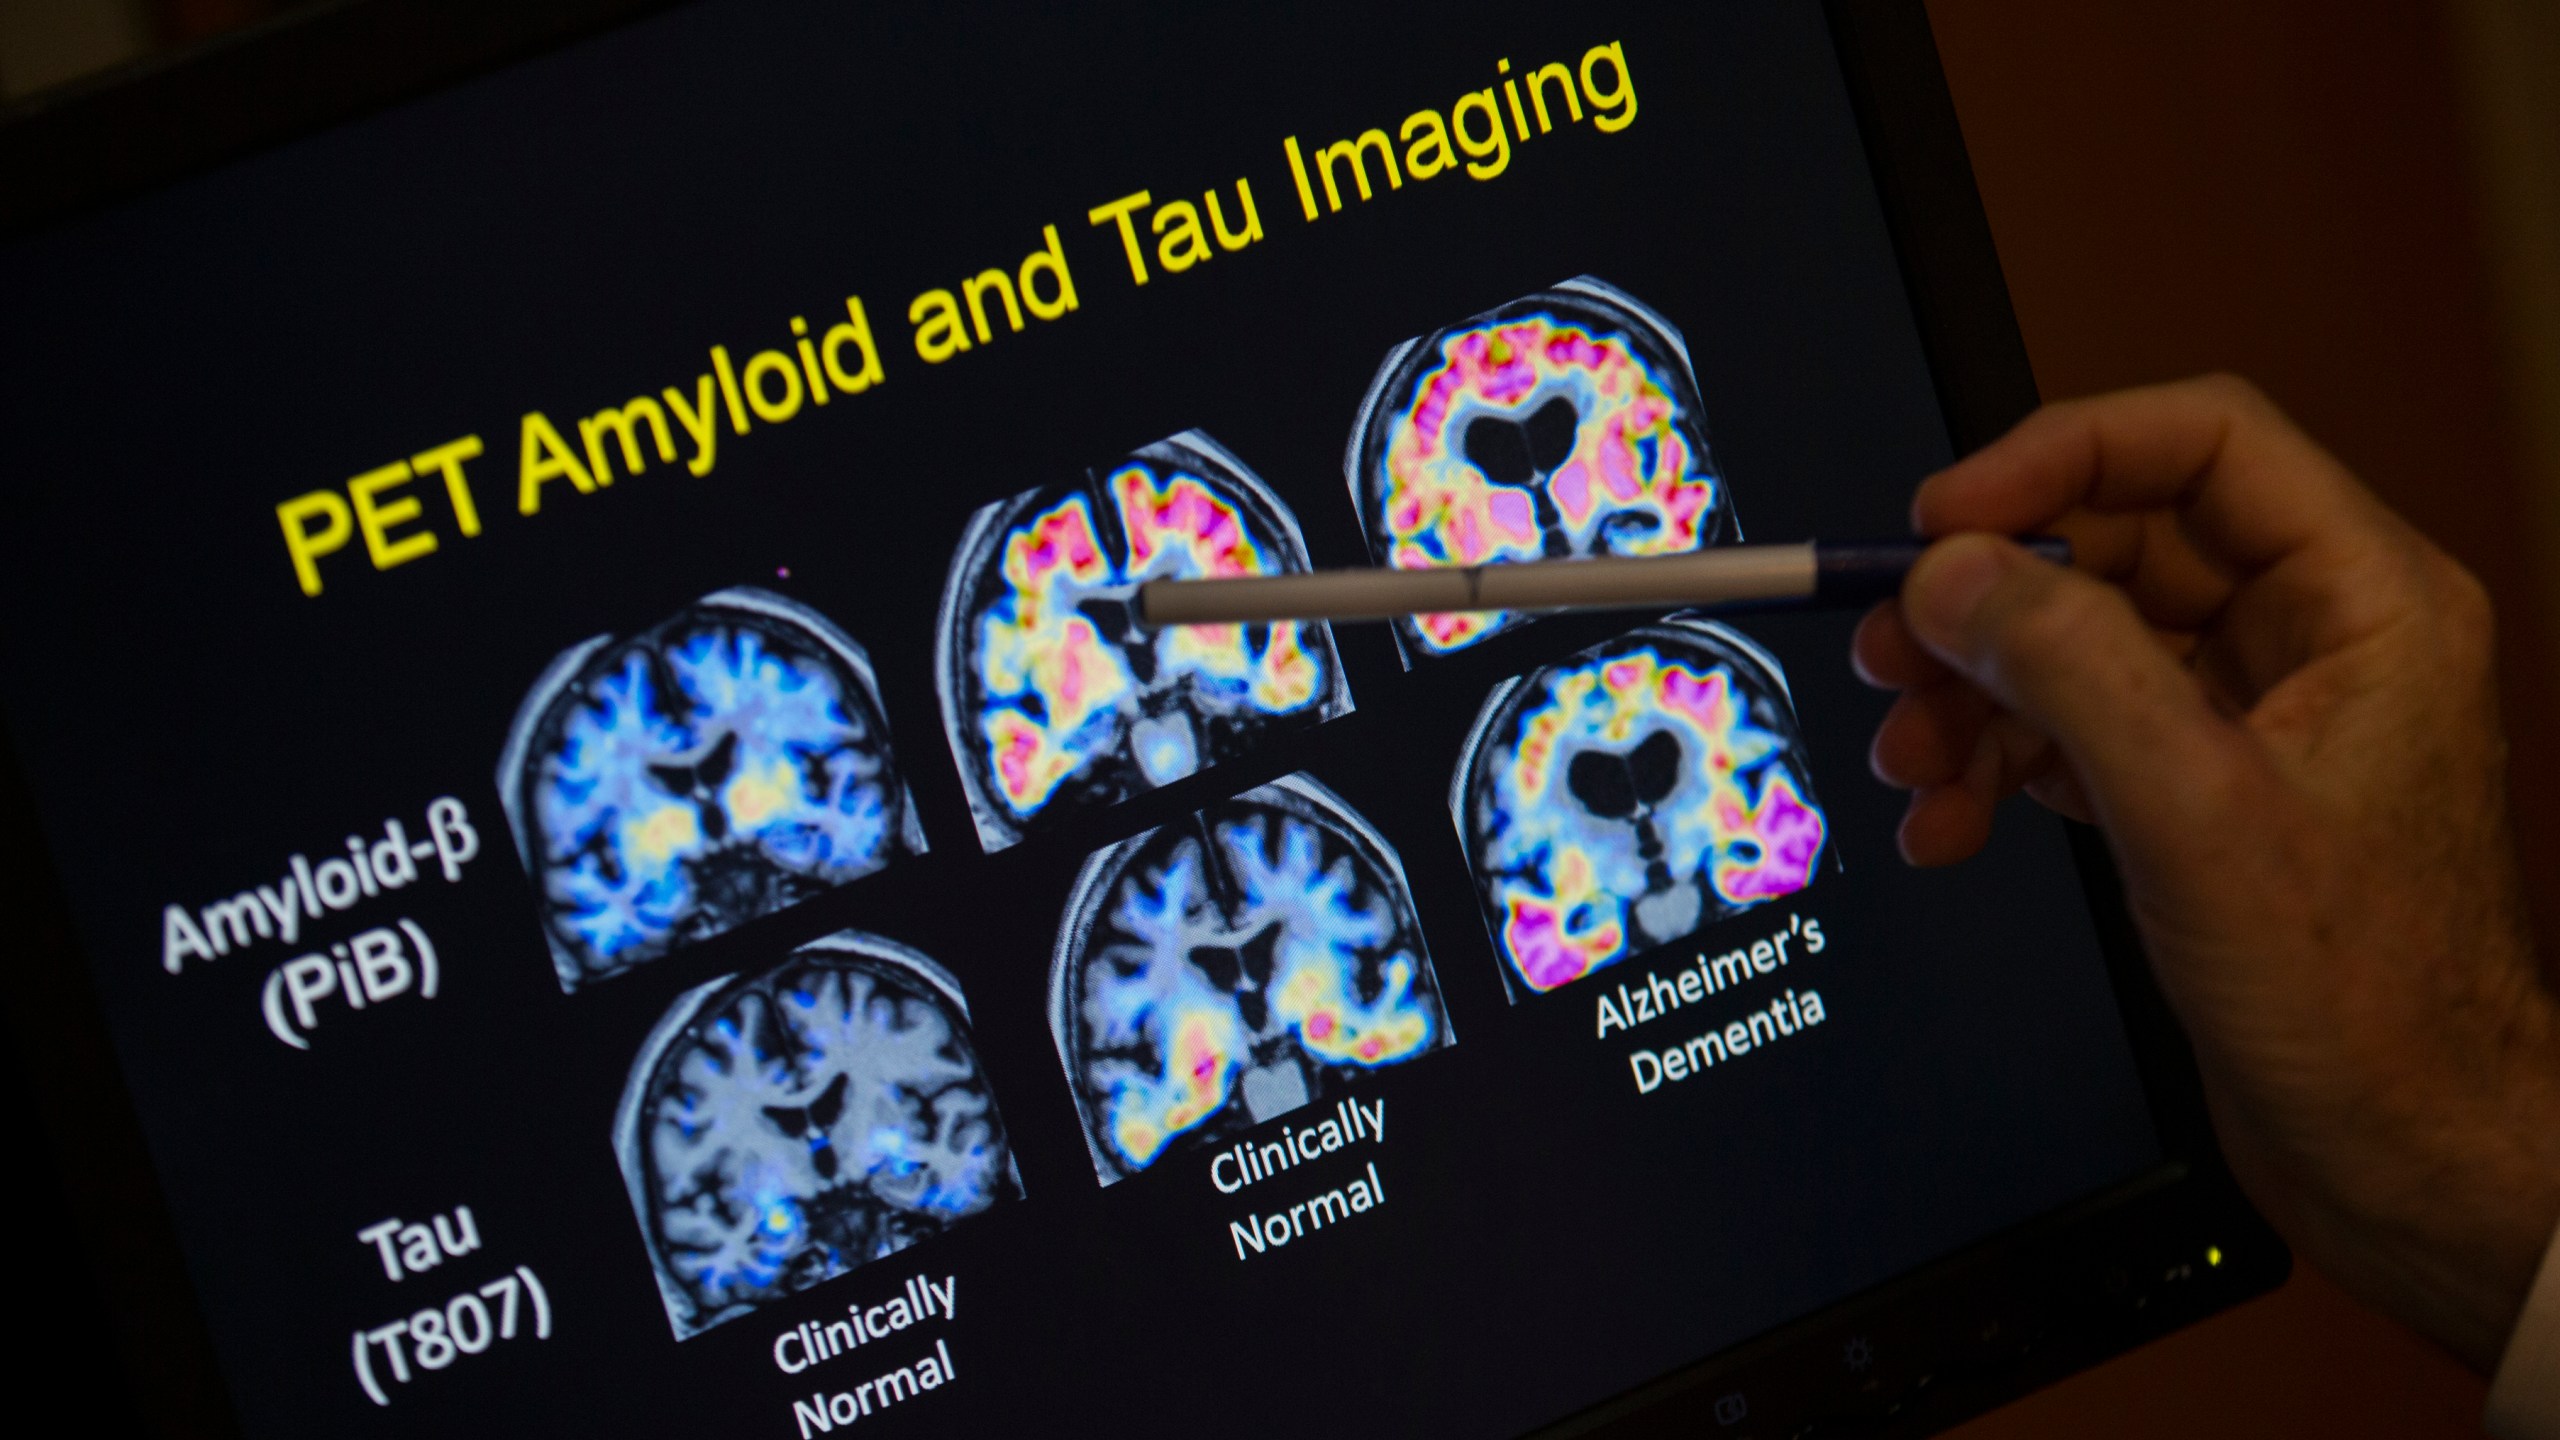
<point x="1055" y="700"/>
<point x="724" y="765"/>
<point x="1566" y="423"/>
<point x="1232" y="967"/>
<point x="1626" y="797"/>
<point x="781" y="1129"/>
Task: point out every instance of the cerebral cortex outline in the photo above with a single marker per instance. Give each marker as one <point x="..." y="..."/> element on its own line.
<point x="1233" y="966"/>
<point x="1055" y="699"/>
<point x="1630" y="795"/>
<point x="1565" y="423"/>
<point x="785" y="1128"/>
<point x="724" y="764"/>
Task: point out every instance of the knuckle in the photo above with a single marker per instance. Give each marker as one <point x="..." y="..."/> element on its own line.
<point x="2467" y="616"/>
<point x="2466" y="598"/>
<point x="2233" y="391"/>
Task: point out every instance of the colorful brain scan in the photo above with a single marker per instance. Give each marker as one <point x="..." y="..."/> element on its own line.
<point x="1626" y="797"/>
<point x="1565" y="423"/>
<point x="725" y="764"/>
<point x="781" y="1129"/>
<point x="1232" y="967"/>
<point x="1055" y="700"/>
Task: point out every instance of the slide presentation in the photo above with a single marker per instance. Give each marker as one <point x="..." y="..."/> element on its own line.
<point x="575" y="643"/>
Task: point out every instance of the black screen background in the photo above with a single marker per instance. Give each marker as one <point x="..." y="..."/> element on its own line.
<point x="576" y="230"/>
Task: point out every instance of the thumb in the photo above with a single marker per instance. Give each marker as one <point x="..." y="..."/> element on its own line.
<point x="2071" y="657"/>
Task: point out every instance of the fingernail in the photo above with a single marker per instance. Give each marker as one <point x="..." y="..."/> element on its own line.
<point x="1947" y="586"/>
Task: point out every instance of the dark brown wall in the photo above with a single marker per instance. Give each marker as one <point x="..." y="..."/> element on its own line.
<point x="2279" y="188"/>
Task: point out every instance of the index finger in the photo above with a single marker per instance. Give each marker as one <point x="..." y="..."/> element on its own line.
<point x="2250" y="487"/>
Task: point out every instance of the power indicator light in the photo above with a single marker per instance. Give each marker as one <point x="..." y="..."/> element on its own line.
<point x="2213" y="1254"/>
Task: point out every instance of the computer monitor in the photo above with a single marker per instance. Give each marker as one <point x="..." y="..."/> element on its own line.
<point x="581" y="733"/>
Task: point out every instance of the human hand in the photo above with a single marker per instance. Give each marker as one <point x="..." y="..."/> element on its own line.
<point x="2277" y="701"/>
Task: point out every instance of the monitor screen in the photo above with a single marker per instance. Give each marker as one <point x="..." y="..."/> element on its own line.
<point x="573" y="643"/>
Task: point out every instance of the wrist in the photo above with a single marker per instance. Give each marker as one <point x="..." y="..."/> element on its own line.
<point x="2524" y="1393"/>
<point x="2478" y="1222"/>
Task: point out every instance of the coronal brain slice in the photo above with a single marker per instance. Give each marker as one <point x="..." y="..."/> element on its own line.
<point x="780" y="1130"/>
<point x="1054" y="699"/>
<point x="1627" y="796"/>
<point x="1231" y="967"/>
<point x="1565" y="423"/>
<point x="721" y="766"/>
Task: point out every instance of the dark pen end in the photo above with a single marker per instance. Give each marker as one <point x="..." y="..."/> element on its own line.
<point x="2050" y="548"/>
<point x="1865" y="572"/>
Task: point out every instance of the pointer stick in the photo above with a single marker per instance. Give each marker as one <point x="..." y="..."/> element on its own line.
<point x="1732" y="577"/>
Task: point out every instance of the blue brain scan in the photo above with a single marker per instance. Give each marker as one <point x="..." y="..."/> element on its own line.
<point x="673" y="785"/>
<point x="781" y="1129"/>
<point x="1055" y="700"/>
<point x="1565" y="423"/>
<point x="1234" y="966"/>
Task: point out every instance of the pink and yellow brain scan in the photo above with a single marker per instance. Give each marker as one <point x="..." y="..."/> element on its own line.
<point x="1055" y="700"/>
<point x="1631" y="795"/>
<point x="726" y="763"/>
<point x="1249" y="960"/>
<point x="1565" y="423"/>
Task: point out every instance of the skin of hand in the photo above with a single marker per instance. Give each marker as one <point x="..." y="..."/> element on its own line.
<point x="2277" y="701"/>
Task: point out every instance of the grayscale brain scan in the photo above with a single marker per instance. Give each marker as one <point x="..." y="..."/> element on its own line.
<point x="1055" y="700"/>
<point x="1232" y="966"/>
<point x="783" y="1128"/>
<point x="1565" y="423"/>
<point x="724" y="764"/>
